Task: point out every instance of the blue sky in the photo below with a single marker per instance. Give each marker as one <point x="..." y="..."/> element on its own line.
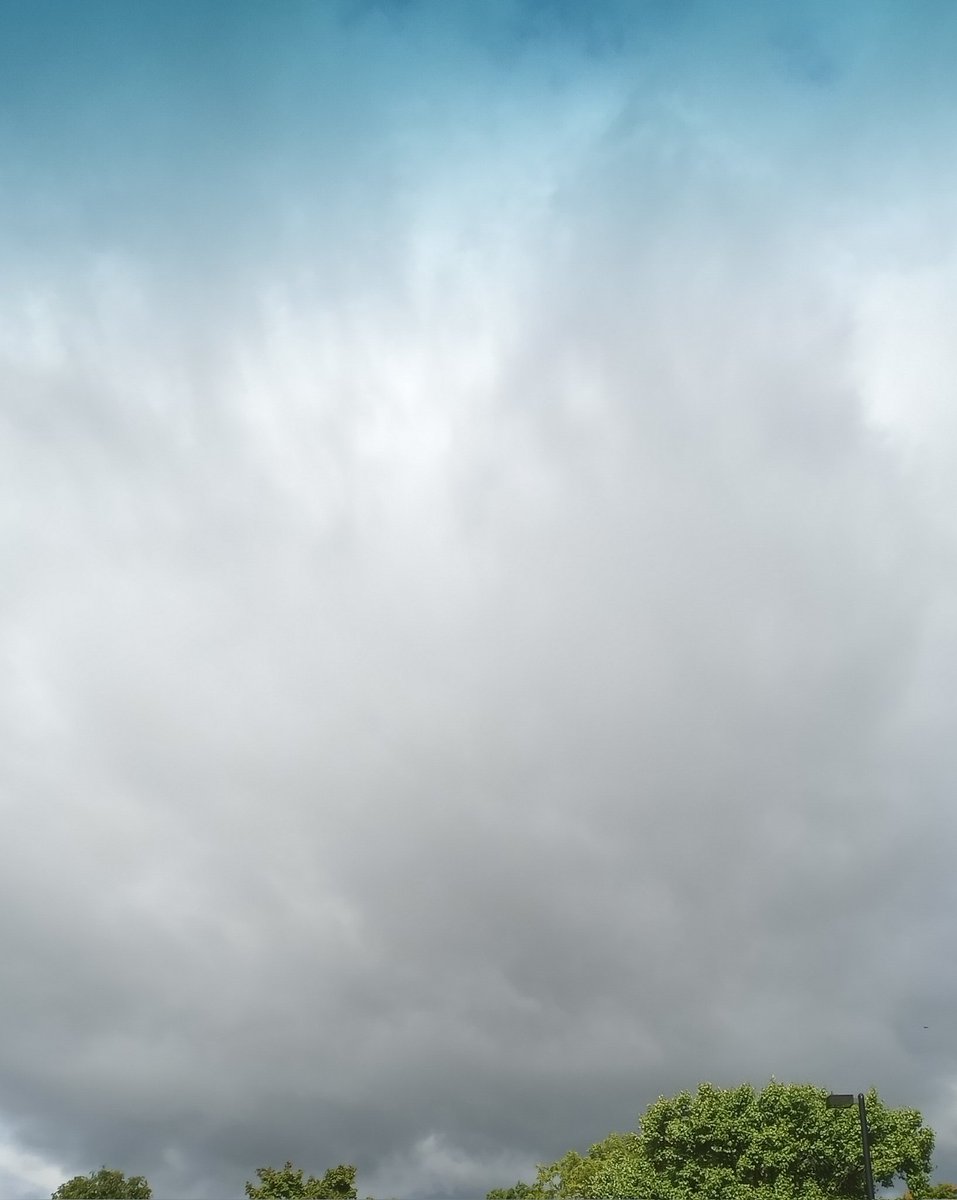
<point x="477" y="630"/>
<point x="205" y="117"/>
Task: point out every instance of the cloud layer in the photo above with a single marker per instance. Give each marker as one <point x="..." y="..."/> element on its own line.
<point x="478" y="623"/>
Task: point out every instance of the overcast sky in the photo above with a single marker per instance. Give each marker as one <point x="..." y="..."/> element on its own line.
<point x="478" y="550"/>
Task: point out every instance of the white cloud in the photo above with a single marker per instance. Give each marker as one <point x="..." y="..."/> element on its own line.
<point x="24" y="1176"/>
<point x="451" y="696"/>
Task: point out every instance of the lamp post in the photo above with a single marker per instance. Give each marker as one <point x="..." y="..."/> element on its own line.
<point x="846" y="1100"/>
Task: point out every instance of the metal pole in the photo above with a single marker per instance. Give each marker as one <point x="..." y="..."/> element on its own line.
<point x="866" y="1143"/>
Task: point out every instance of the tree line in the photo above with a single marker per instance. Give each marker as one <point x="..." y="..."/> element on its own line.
<point x="782" y="1142"/>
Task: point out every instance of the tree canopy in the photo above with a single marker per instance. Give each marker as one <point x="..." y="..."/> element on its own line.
<point x="287" y="1183"/>
<point x="779" y="1143"/>
<point x="105" y="1184"/>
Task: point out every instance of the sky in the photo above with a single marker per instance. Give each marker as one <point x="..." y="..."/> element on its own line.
<point x="478" y="577"/>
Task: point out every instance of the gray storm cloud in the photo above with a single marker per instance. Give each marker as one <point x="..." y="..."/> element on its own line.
<point x="444" y="710"/>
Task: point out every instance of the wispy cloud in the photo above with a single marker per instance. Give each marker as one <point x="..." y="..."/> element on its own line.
<point x="477" y="638"/>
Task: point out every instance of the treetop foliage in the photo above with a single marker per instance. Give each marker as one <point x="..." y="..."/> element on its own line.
<point x="779" y="1143"/>
<point x="104" y="1184"/>
<point x="287" y="1183"/>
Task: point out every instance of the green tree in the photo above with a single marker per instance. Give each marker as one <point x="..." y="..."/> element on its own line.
<point x="936" y="1191"/>
<point x="104" y="1185"/>
<point x="518" y="1191"/>
<point x="287" y="1183"/>
<point x="780" y="1143"/>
